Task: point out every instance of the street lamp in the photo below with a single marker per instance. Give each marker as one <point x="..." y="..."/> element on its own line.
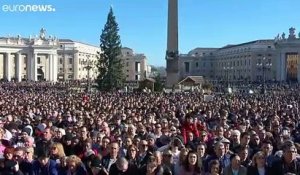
<point x="264" y="66"/>
<point x="88" y="67"/>
<point x="227" y="69"/>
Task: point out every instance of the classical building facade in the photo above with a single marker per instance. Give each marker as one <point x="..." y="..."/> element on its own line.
<point x="46" y="58"/>
<point x="135" y="65"/>
<point x="256" y="61"/>
<point x="76" y="60"/>
<point x="28" y="58"/>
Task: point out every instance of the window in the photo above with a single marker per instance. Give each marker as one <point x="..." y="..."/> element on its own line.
<point x="137" y="66"/>
<point x="197" y="64"/>
<point x="70" y="76"/>
<point x="137" y="77"/>
<point x="70" y="61"/>
<point x="61" y="61"/>
<point x="269" y="47"/>
<point x="187" y="67"/>
<point x="70" y="69"/>
<point x="61" y="69"/>
<point x="38" y="60"/>
<point x="127" y="64"/>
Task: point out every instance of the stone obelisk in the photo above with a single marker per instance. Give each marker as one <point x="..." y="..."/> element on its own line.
<point x="172" y="45"/>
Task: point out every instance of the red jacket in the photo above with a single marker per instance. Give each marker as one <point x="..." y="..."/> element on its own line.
<point x="189" y="128"/>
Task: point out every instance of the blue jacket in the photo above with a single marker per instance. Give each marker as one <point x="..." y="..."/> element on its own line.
<point x="50" y="169"/>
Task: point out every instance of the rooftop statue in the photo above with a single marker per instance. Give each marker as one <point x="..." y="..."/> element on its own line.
<point x="283" y="35"/>
<point x="292" y="33"/>
<point x="43" y="33"/>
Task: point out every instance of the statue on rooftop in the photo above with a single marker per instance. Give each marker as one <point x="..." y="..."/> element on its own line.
<point x="283" y="35"/>
<point x="43" y="33"/>
<point x="292" y="33"/>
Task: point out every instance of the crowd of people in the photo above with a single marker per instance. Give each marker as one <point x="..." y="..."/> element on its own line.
<point x="47" y="129"/>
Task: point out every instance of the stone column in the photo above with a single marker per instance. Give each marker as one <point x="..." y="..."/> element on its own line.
<point x="19" y="61"/>
<point x="28" y="66"/>
<point x="66" y="69"/>
<point x="76" y="66"/>
<point x="46" y="70"/>
<point x="50" y="58"/>
<point x="7" y="72"/>
<point x="55" y="65"/>
<point x="34" y="67"/>
<point x="283" y="68"/>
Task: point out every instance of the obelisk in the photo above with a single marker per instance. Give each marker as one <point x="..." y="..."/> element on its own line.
<point x="172" y="45"/>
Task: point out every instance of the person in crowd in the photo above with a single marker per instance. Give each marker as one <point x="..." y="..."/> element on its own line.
<point x="219" y="155"/>
<point x="152" y="167"/>
<point x="111" y="158"/>
<point x="2" y="146"/>
<point x="104" y="147"/>
<point x="235" y="167"/>
<point x="75" y="166"/>
<point x="189" y="127"/>
<point x="26" y="167"/>
<point x="121" y="167"/>
<point x="44" y="144"/>
<point x="9" y="165"/>
<point x="267" y="149"/>
<point x="243" y="153"/>
<point x="167" y="162"/>
<point x="132" y="156"/>
<point x="143" y="153"/>
<point x="191" y="166"/>
<point x="288" y="163"/>
<point x="45" y="165"/>
<point x="182" y="157"/>
<point x="259" y="165"/>
<point x="57" y="152"/>
<point x="202" y="156"/>
<point x="213" y="168"/>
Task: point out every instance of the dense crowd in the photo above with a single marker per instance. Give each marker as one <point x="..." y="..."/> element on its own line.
<point x="48" y="129"/>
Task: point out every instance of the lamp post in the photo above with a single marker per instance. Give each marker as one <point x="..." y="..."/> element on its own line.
<point x="88" y="67"/>
<point x="264" y="65"/>
<point x="227" y="69"/>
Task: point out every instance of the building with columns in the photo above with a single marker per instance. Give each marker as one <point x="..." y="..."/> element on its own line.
<point x="28" y="58"/>
<point x="46" y="58"/>
<point x="255" y="61"/>
<point x="74" y="58"/>
<point x="135" y="65"/>
<point x="51" y="59"/>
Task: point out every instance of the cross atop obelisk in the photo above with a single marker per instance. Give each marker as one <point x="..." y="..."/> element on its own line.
<point x="172" y="44"/>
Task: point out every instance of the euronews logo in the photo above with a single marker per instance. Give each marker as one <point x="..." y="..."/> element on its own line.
<point x="28" y="8"/>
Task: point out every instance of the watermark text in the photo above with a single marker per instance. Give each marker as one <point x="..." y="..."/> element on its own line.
<point x="28" y="8"/>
